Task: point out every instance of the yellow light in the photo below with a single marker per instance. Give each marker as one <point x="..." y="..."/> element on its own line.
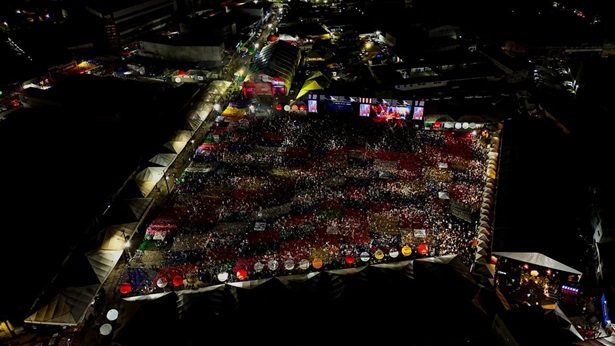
<point x="534" y="273"/>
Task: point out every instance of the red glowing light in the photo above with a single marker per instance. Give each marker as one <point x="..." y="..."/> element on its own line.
<point x="178" y="281"/>
<point x="242" y="274"/>
<point x="125" y="288"/>
<point x="423" y="249"/>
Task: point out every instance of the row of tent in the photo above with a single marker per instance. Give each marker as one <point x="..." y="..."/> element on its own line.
<point x="85" y="270"/>
<point x="482" y="265"/>
<point x="147" y="179"/>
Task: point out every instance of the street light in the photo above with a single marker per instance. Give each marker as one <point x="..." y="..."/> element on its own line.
<point x="166" y="180"/>
<point x="217" y="107"/>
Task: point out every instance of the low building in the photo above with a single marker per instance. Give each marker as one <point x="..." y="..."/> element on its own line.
<point x="277" y="61"/>
<point x="123" y="21"/>
<point x="183" y="47"/>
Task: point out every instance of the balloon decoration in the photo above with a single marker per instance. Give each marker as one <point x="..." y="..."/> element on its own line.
<point x="272" y="265"/>
<point x="162" y="282"/>
<point x="112" y="314"/>
<point x="105" y="329"/>
<point x="349" y="260"/>
<point x="304" y="264"/>
<point x="289" y="264"/>
<point x="393" y="253"/>
<point x="364" y="256"/>
<point x="125" y="288"/>
<point x="258" y="267"/>
<point x="317" y="263"/>
<point x="406" y="250"/>
<point x="379" y="254"/>
<point x="223" y="276"/>
<point x="178" y="280"/>
<point x="423" y="249"/>
<point x="242" y="274"/>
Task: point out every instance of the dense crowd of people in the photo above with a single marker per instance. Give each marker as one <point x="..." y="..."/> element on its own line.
<point x="266" y="196"/>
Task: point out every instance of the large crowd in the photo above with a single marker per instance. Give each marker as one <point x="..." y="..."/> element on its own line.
<point x="284" y="194"/>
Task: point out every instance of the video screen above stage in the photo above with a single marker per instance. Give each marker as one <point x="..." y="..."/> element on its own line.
<point x="419" y="110"/>
<point x="389" y="109"/>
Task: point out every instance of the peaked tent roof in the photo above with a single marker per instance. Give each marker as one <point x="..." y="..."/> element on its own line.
<point x="308" y="86"/>
<point x="163" y="159"/>
<point x="278" y="59"/>
<point x="315" y="75"/>
<point x="114" y="236"/>
<point x="148" y="178"/>
<point x="537" y="258"/>
<point x="67" y="308"/>
<point x="103" y="262"/>
<point x="175" y="146"/>
<point x="181" y="136"/>
<point x="193" y="123"/>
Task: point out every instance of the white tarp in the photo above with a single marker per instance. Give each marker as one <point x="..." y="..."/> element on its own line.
<point x="175" y="146"/>
<point x="115" y="236"/>
<point x="148" y="178"/>
<point x="193" y="123"/>
<point x="68" y="308"/>
<point x="138" y="206"/>
<point x="163" y="159"/>
<point x="103" y="262"/>
<point x="537" y="258"/>
<point x="181" y="136"/>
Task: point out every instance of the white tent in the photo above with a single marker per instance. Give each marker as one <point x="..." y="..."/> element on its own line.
<point x="537" y="258"/>
<point x="115" y="236"/>
<point x="148" y="178"/>
<point x="103" y="262"/>
<point x="163" y="159"/>
<point x="138" y="206"/>
<point x="181" y="136"/>
<point x="68" y="308"/>
<point x="175" y="146"/>
<point x="193" y="123"/>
